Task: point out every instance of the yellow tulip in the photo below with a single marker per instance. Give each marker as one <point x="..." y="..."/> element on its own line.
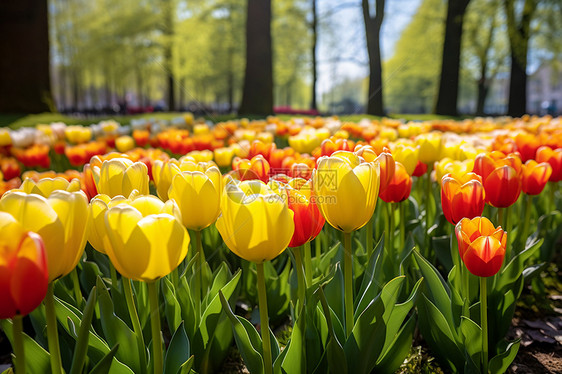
<point x="201" y="129"/>
<point x="78" y="134"/>
<point x="223" y="156"/>
<point x="147" y="239"/>
<point x="120" y="176"/>
<point x="5" y="138"/>
<point x="256" y="223"/>
<point x="407" y="156"/>
<point x="61" y="219"/>
<point x="163" y="172"/>
<point x="124" y="143"/>
<point x="200" y="156"/>
<point x="46" y="186"/>
<point x="430" y="147"/>
<point x="346" y="189"/>
<point x="98" y="233"/>
<point x="456" y="168"/>
<point x="198" y="195"/>
<point x="265" y="137"/>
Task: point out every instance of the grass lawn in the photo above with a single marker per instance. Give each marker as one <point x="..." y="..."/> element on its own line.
<point x="16" y="121"/>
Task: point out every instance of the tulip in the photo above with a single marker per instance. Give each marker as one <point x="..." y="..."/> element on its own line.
<point x="420" y="169"/>
<point x="534" y="177"/>
<point x="430" y="147"/>
<point x="256" y="168"/>
<point x="46" y="186"/>
<point x="5" y="138"/>
<point x="347" y="190"/>
<point x="481" y="246"/>
<point x="120" y="176"/>
<point x="23" y="269"/>
<point x="23" y="278"/>
<point x="223" y="156"/>
<point x="462" y="197"/>
<point x="449" y="166"/>
<point x="502" y="186"/>
<point x="399" y="187"/>
<point x="407" y="156"/>
<point x="257" y="225"/>
<point x="141" y="137"/>
<point x="198" y="196"/>
<point x="147" y="238"/>
<point x="124" y="143"/>
<point x="60" y="219"/>
<point x="387" y="168"/>
<point x="482" y="249"/>
<point x="554" y="158"/>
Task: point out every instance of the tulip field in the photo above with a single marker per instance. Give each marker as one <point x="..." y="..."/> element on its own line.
<point x="305" y="245"/>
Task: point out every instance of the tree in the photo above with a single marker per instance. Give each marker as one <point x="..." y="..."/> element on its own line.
<point x="25" y="85"/>
<point x="448" y="92"/>
<point x="257" y="95"/>
<point x="519" y="34"/>
<point x="372" y="32"/>
<point x="412" y="73"/>
<point x="314" y="28"/>
<point x="485" y="48"/>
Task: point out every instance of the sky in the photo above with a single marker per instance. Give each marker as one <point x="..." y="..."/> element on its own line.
<point x="341" y="52"/>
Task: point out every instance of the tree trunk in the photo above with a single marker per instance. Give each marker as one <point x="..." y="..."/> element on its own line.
<point x="519" y="34"/>
<point x="168" y="30"/>
<point x="448" y="93"/>
<point x="257" y="95"/>
<point x="372" y="32"/>
<point x="25" y="80"/>
<point x="314" y="27"/>
<point x="483" y="87"/>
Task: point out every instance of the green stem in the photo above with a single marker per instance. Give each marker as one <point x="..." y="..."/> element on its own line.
<point x="135" y="320"/>
<point x="156" y="329"/>
<point x="317" y="247"/>
<point x="264" y="320"/>
<point x="197" y="287"/>
<point x="308" y="263"/>
<point x="18" y="344"/>
<point x="528" y="208"/>
<point x="402" y="224"/>
<point x="387" y="228"/>
<point x="52" y="332"/>
<point x="392" y="230"/>
<point x="508" y="227"/>
<point x="500" y="217"/>
<point x="484" y="323"/>
<point x="113" y="273"/>
<point x="76" y="286"/>
<point x="427" y="215"/>
<point x="369" y="239"/>
<point x="348" y="282"/>
<point x="297" y="252"/>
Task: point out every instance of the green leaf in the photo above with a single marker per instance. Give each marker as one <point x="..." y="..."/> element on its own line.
<point x="334" y="292"/>
<point x="372" y="279"/>
<point x="178" y="351"/>
<point x="104" y="365"/>
<point x="41" y="362"/>
<point x="366" y="341"/>
<point x="398" y="349"/>
<point x="186" y="367"/>
<point x="247" y="339"/>
<point x="81" y="348"/>
<point x="513" y="270"/>
<point x="472" y="334"/>
<point x="117" y="332"/>
<point x="336" y="356"/>
<point x="188" y="314"/>
<point x="438" y="291"/>
<point x="438" y="335"/>
<point x="295" y="359"/>
<point x="500" y="363"/>
<point x="172" y="308"/>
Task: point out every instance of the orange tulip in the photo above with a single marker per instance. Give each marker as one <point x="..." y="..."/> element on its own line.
<point x="503" y="187"/>
<point x="462" y="197"/>
<point x="535" y="176"/>
<point x="554" y="158"/>
<point x="256" y="168"/>
<point x="399" y="187"/>
<point x="481" y="246"/>
<point x="23" y="268"/>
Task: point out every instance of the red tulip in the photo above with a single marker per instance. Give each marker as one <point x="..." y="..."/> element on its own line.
<point x="399" y="187"/>
<point x="256" y="168"/>
<point x="420" y="169"/>
<point x="462" y="197"/>
<point x="535" y="176"/>
<point x="481" y="246"/>
<point x="23" y="269"/>
<point x="502" y="186"/>
<point x="554" y="158"/>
